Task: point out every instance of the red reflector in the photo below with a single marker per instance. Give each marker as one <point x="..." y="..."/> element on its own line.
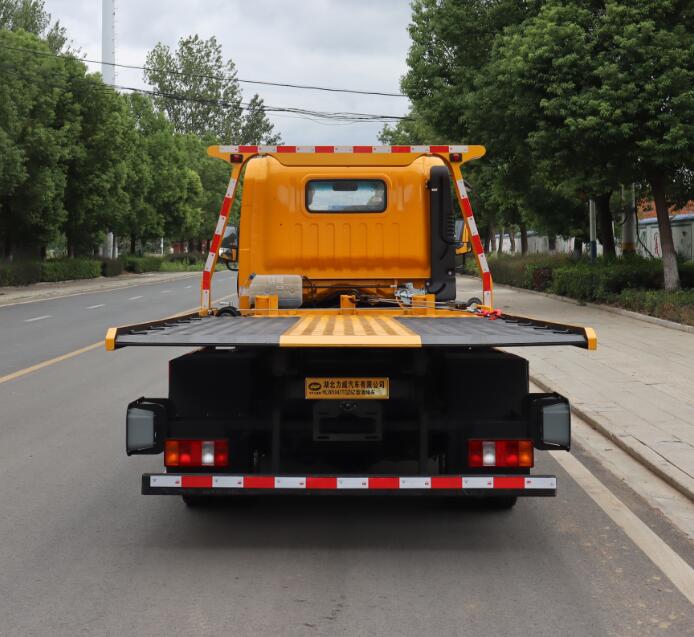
<point x="474" y="453"/>
<point x="446" y="482"/>
<point x="455" y="157"/>
<point x="509" y="482"/>
<point x="236" y="159"/>
<point x="259" y="482"/>
<point x="321" y="483"/>
<point x="200" y="482"/>
<point x="384" y="483"/>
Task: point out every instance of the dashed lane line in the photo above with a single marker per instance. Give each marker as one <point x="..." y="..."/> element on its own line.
<point x="94" y="307"/>
<point x="52" y="361"/>
<point x="38" y="318"/>
<point x="134" y="298"/>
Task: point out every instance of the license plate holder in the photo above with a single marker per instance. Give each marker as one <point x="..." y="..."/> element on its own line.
<point x="347" y="388"/>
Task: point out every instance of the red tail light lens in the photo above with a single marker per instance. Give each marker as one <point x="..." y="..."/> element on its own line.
<point x="474" y="453"/>
<point x="500" y="453"/>
<point x="196" y="453"/>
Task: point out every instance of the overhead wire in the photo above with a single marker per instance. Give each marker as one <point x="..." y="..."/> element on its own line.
<point x="308" y="87"/>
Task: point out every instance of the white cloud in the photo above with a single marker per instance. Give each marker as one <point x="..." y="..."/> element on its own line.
<point x="359" y="44"/>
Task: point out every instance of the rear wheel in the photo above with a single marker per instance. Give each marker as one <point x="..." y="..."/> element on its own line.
<point x="196" y="501"/>
<point x="501" y="503"/>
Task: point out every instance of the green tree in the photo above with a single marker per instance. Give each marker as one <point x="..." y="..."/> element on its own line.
<point x="199" y="92"/>
<point x="256" y="127"/>
<point x="37" y="126"/>
<point x="31" y="16"/>
<point x="95" y="194"/>
<point x="647" y="73"/>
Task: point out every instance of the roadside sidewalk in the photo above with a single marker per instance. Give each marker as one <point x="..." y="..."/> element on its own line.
<point x="43" y="291"/>
<point x="637" y="388"/>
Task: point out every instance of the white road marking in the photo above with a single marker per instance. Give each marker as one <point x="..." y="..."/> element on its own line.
<point x="93" y="307"/>
<point x="188" y="286"/>
<point x="37" y="318"/>
<point x="674" y="567"/>
<point x="134" y="298"/>
<point x="165" y="291"/>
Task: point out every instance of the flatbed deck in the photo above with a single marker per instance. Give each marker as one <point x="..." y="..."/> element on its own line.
<point x="366" y="329"/>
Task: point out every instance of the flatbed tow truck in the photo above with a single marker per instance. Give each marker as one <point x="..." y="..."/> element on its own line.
<point x="348" y="366"/>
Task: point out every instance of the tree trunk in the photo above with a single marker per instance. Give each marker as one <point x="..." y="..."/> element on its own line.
<point x="512" y="240"/>
<point x="133" y="243"/>
<point x="524" y="238"/>
<point x="500" y="247"/>
<point x="8" y="245"/>
<point x="552" y="243"/>
<point x="492" y="238"/>
<point x="602" y="205"/>
<point x="578" y="247"/>
<point x="671" y="275"/>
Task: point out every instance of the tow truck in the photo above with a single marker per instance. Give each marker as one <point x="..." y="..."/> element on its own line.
<point x="348" y="364"/>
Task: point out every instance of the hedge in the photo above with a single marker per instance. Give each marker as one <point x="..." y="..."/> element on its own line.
<point x="138" y="265"/>
<point x="671" y="306"/>
<point x="112" y="267"/>
<point x="70" y="269"/>
<point x="20" y="273"/>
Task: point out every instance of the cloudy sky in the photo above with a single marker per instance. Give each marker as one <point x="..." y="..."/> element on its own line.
<point x="356" y="44"/>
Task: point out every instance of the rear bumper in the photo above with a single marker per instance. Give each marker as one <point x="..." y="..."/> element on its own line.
<point x="455" y="485"/>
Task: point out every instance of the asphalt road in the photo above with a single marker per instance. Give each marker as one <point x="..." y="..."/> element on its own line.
<point x="82" y="553"/>
<point x="33" y="332"/>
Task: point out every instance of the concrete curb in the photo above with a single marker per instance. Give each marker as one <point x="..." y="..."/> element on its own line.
<point x="643" y="454"/>
<point x="62" y="289"/>
<point x="680" y="327"/>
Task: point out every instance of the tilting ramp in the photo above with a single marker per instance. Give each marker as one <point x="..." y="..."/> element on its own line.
<point x="363" y="330"/>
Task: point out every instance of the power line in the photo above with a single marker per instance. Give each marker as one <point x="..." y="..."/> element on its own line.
<point x="212" y="77"/>
<point x="338" y="117"/>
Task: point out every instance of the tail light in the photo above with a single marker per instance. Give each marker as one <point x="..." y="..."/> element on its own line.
<point x="196" y="453"/>
<point x="500" y="453"/>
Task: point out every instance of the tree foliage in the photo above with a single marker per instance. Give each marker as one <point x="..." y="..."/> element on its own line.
<point x="572" y="99"/>
<point x="199" y="92"/>
<point x="78" y="159"/>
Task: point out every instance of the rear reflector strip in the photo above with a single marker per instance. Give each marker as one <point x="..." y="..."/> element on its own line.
<point x="383" y="483"/>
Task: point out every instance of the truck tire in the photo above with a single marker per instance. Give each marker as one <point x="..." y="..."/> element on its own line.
<point x="501" y="503"/>
<point x="196" y="501"/>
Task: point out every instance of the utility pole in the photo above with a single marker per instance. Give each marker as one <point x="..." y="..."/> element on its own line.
<point x="593" y="230"/>
<point x="108" y="41"/>
<point x="108" y="72"/>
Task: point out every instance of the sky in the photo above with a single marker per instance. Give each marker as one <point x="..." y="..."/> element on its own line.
<point x="356" y="44"/>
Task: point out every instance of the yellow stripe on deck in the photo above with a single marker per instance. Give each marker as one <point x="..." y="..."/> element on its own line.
<point x="349" y="331"/>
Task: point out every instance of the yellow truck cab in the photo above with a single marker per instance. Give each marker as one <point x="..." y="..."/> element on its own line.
<point x="348" y="364"/>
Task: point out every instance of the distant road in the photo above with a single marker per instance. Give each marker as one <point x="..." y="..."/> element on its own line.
<point x="41" y="330"/>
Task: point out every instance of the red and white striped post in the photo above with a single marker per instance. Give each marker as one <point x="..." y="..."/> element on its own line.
<point x="213" y="254"/>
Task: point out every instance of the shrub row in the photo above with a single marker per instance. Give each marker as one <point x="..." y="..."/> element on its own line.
<point x="70" y="269"/>
<point x="53" y="270"/>
<point x="581" y="279"/>
<point x="633" y="283"/>
<point x="671" y="306"/>
<point x="138" y="265"/>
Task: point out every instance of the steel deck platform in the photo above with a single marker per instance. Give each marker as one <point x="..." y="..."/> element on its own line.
<point x="362" y="330"/>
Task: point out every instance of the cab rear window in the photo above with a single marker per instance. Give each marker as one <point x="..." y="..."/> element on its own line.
<point x="346" y="195"/>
